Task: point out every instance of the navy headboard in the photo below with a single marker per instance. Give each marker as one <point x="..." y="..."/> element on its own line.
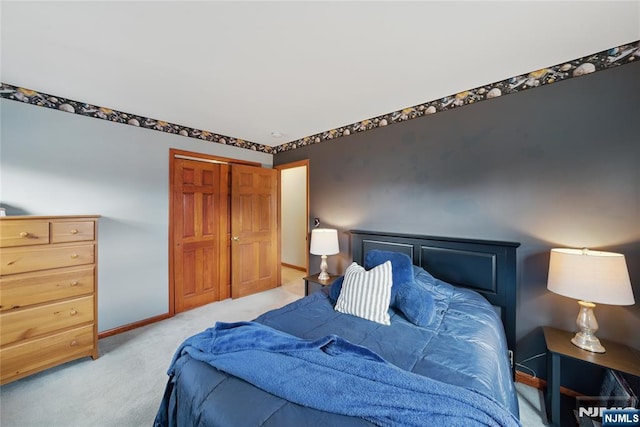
<point x="486" y="266"/>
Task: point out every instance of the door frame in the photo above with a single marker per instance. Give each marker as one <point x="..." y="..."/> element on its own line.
<point x="292" y="165"/>
<point x="190" y="155"/>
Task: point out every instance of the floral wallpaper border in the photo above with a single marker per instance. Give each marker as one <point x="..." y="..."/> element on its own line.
<point x="609" y="58"/>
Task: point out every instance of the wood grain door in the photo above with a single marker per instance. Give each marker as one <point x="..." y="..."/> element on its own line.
<point x="199" y="231"/>
<point x="255" y="240"/>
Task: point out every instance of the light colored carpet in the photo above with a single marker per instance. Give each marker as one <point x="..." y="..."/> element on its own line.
<point x="124" y="386"/>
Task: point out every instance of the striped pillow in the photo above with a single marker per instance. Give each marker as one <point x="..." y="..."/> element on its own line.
<point x="366" y="294"/>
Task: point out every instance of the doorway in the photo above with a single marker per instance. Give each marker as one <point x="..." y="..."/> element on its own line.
<point x="294" y="211"/>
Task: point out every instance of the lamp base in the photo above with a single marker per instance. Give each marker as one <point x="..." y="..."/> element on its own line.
<point x="586" y="338"/>
<point x="589" y="343"/>
<point x="323" y="276"/>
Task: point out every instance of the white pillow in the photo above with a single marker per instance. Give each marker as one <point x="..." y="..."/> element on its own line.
<point x="366" y="294"/>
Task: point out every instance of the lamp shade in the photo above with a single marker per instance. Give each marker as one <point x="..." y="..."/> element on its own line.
<point x="593" y="276"/>
<point x="324" y="241"/>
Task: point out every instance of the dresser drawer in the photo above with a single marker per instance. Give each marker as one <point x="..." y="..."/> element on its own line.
<point x="33" y="288"/>
<point x="22" y="260"/>
<point x="41" y="320"/>
<point x="22" y="233"/>
<point x="68" y="231"/>
<point x="25" y="358"/>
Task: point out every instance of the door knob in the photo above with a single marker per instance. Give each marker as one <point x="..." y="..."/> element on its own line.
<point x="235" y="238"/>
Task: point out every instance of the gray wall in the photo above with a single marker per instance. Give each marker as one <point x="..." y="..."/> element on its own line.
<point x="552" y="166"/>
<point x="55" y="163"/>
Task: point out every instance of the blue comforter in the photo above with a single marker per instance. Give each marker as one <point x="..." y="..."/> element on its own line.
<point x="360" y="382"/>
<point x="462" y="348"/>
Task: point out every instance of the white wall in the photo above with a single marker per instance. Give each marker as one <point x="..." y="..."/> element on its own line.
<point x="56" y="163"/>
<point x="293" y="185"/>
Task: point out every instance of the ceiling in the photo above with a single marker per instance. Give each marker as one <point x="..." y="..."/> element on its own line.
<point x="295" y="68"/>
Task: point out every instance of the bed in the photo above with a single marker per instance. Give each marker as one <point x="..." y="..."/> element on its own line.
<point x="440" y="353"/>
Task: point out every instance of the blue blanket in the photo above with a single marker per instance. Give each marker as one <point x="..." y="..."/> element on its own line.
<point x="334" y="375"/>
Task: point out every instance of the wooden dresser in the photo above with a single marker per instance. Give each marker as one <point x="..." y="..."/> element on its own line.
<point x="48" y="283"/>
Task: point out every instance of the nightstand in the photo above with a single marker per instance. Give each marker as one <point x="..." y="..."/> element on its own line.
<point x="313" y="284"/>
<point x="617" y="357"/>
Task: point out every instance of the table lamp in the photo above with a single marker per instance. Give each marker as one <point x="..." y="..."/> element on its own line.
<point x="590" y="277"/>
<point x="324" y="241"/>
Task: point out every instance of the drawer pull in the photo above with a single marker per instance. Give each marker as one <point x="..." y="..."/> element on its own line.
<point x="24" y="234"/>
<point x="74" y="283"/>
<point x="74" y="231"/>
<point x="73" y="312"/>
<point x="73" y="343"/>
<point x="74" y="256"/>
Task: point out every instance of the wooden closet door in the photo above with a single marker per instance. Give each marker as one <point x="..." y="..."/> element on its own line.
<point x="255" y="251"/>
<point x="199" y="260"/>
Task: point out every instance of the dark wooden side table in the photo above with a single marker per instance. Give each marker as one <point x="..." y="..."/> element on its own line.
<point x="313" y="284"/>
<point x="617" y="357"/>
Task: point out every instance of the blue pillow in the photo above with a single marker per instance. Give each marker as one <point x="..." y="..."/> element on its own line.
<point x="336" y="287"/>
<point x="401" y="268"/>
<point x="407" y="296"/>
<point x="401" y="271"/>
<point x="416" y="302"/>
